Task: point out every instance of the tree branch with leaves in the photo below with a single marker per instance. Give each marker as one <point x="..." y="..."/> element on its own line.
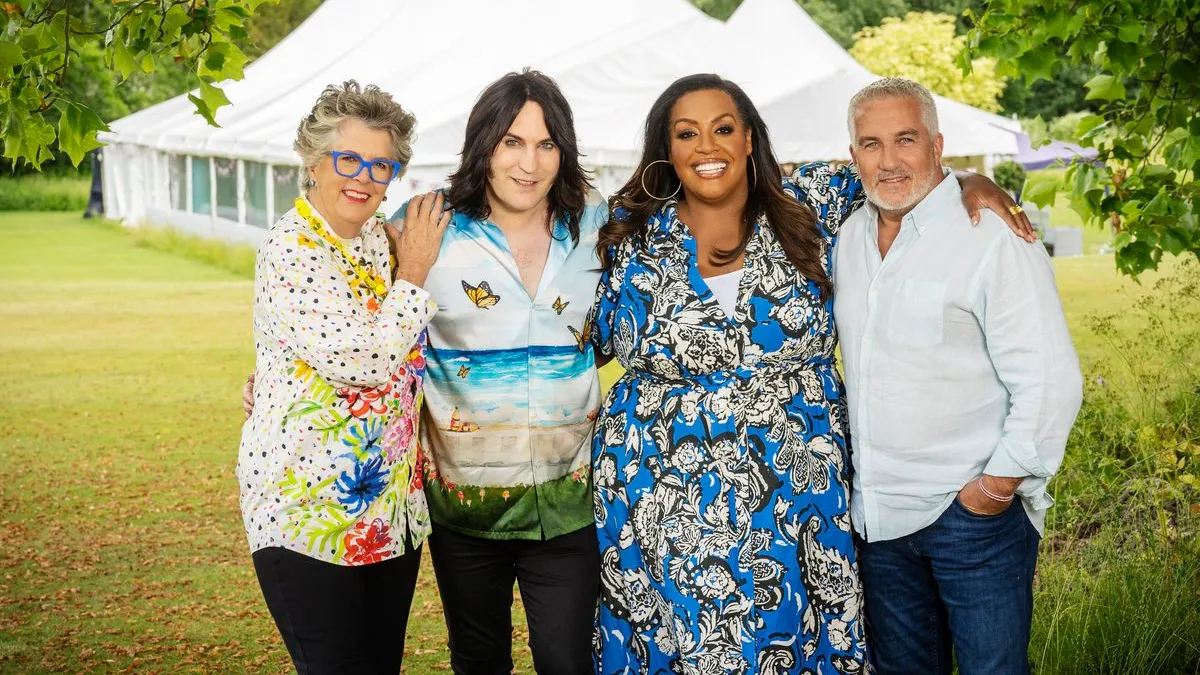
<point x="1147" y="127"/>
<point x="39" y="38"/>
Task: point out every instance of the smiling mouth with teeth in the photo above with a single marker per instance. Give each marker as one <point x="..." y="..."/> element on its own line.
<point x="710" y="168"/>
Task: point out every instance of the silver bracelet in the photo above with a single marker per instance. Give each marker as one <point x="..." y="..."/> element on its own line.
<point x="991" y="495"/>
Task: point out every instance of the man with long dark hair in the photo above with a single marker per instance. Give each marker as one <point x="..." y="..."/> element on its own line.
<point x="511" y="389"/>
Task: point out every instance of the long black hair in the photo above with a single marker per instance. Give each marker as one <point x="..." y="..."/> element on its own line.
<point x="794" y="224"/>
<point x="487" y="124"/>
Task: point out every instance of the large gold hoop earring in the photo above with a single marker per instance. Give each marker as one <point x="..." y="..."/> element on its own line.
<point x="754" y="171"/>
<point x="644" y="189"/>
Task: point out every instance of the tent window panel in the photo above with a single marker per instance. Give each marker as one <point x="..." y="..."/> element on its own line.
<point x="256" y="193"/>
<point x="286" y="189"/>
<point x="227" y="193"/>
<point x="177" y="167"/>
<point x="201" y="186"/>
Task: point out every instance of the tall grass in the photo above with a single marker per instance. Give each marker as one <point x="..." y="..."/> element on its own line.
<point x="235" y="258"/>
<point x="1111" y="609"/>
<point x="1119" y="584"/>
<point x="44" y="193"/>
<point x="1134" y="453"/>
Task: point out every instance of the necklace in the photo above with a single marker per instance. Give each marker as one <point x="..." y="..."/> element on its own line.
<point x="365" y="276"/>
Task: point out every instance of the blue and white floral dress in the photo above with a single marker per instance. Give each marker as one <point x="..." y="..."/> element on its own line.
<point x="720" y="461"/>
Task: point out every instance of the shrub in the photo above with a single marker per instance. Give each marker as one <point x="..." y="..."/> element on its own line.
<point x="44" y="193"/>
<point x="1010" y="176"/>
<point x="236" y="258"/>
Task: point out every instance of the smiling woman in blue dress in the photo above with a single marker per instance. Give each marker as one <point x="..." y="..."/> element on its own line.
<point x="720" y="460"/>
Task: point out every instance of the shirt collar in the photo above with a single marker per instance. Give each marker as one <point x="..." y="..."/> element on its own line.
<point x="560" y="234"/>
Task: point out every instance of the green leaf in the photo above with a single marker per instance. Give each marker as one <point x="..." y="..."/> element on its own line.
<point x="202" y="109"/>
<point x="1159" y="206"/>
<point x="1104" y="87"/>
<point x="1089" y="126"/>
<point x="11" y="55"/>
<point x="1123" y="56"/>
<point x="29" y="97"/>
<point x="1173" y="241"/>
<point x="77" y="127"/>
<point x="222" y="61"/>
<point x="1038" y="64"/>
<point x="214" y="61"/>
<point x="28" y="138"/>
<point x="1083" y="206"/>
<point x="1122" y="240"/>
<point x="1135" y="257"/>
<point x="1041" y="188"/>
<point x="210" y="99"/>
<point x="1157" y="172"/>
<point x="1058" y="24"/>
<point x="1130" y="31"/>
<point x="1184" y="152"/>
<point x="122" y="60"/>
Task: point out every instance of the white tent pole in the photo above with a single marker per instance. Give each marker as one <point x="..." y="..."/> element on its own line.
<point x="212" y="195"/>
<point x="241" y="191"/>
<point x="187" y="183"/>
<point x="270" y="194"/>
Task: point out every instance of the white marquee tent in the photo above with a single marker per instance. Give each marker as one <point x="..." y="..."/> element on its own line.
<point x="167" y="166"/>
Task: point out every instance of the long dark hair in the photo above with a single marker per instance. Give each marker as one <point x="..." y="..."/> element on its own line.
<point x="794" y="224"/>
<point x="487" y="124"/>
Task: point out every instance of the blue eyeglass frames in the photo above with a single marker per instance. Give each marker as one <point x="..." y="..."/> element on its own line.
<point x="350" y="164"/>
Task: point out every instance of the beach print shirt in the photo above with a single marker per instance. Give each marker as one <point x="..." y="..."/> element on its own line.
<point x="329" y="465"/>
<point x="511" y="391"/>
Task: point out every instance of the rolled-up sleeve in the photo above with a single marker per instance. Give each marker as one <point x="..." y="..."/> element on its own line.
<point x="334" y="333"/>
<point x="1030" y="347"/>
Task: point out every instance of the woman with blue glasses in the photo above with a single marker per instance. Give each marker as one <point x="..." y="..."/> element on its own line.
<point x="329" y="470"/>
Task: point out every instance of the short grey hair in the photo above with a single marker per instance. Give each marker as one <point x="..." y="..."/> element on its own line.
<point x="894" y="87"/>
<point x="370" y="105"/>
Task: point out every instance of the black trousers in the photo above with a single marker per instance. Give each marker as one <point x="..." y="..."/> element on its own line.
<point x="336" y="619"/>
<point x="559" y="581"/>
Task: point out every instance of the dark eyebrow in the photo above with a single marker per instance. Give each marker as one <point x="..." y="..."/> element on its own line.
<point x="509" y="134"/>
<point x="908" y="132"/>
<point x="692" y="121"/>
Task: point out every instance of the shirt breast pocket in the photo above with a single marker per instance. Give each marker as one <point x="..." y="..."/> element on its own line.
<point x="917" y="315"/>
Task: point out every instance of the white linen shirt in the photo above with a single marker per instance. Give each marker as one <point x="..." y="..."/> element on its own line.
<point x="958" y="362"/>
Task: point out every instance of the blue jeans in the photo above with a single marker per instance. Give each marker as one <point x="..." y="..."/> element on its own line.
<point x="967" y="581"/>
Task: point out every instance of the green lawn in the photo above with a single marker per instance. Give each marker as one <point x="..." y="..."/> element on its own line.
<point x="121" y="543"/>
<point x="120" y="536"/>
